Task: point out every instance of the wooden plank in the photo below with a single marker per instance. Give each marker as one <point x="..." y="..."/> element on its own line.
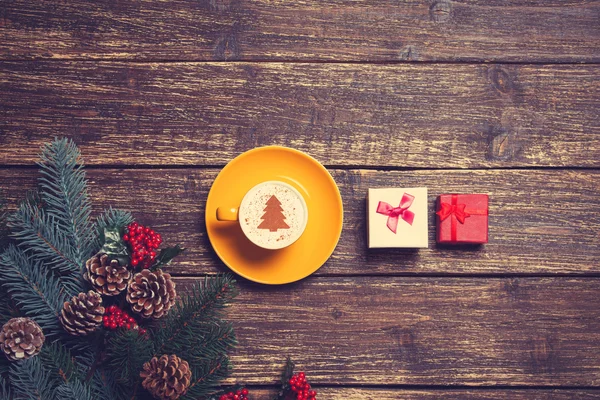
<point x="540" y="221"/>
<point x="365" y="30"/>
<point x="421" y="331"/>
<point x="421" y="116"/>
<point x="343" y="393"/>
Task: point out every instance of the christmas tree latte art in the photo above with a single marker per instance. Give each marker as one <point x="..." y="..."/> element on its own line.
<point x="273" y="215"/>
<point x="89" y="309"/>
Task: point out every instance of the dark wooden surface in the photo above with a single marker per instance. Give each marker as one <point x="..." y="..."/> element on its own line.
<point x="327" y="30"/>
<point x="499" y="97"/>
<point x="408" y="116"/>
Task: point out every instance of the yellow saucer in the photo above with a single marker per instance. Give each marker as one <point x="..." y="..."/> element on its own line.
<point x="325" y="215"/>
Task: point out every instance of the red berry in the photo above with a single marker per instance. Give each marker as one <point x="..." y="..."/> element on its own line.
<point x="134" y="262"/>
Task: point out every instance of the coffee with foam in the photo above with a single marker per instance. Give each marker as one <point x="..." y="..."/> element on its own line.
<point x="273" y="215"/>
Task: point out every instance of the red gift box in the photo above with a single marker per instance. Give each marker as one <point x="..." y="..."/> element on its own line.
<point x="462" y="218"/>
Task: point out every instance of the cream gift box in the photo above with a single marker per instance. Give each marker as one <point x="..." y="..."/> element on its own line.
<point x="397" y="217"/>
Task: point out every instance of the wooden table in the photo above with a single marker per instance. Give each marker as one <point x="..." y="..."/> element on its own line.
<point x="493" y="96"/>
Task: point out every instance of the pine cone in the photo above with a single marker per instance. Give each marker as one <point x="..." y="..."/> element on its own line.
<point x="107" y="276"/>
<point x="151" y="294"/>
<point x="83" y="314"/>
<point x="167" y="377"/>
<point x="21" y="338"/>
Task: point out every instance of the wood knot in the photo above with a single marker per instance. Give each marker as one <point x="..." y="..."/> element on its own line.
<point x="501" y="80"/>
<point x="542" y="355"/>
<point x="512" y="288"/>
<point x="409" y="53"/>
<point x="220" y="5"/>
<point x="407" y="347"/>
<point x="440" y="11"/>
<point x="336" y="314"/>
<point x="227" y="48"/>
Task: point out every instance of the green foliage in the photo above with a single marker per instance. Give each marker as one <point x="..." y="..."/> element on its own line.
<point x="288" y="372"/>
<point x="5" y="392"/>
<point x="36" y="233"/>
<point x="29" y="380"/>
<point x="114" y="247"/>
<point x="60" y="365"/>
<point x="112" y="219"/>
<point x="202" y="306"/>
<point x="104" y="385"/>
<point x="73" y="391"/>
<point x="206" y="377"/>
<point x="127" y="352"/>
<point x="63" y="189"/>
<point x="166" y="255"/>
<point x="37" y="294"/>
<point x="54" y="236"/>
<point x="195" y="331"/>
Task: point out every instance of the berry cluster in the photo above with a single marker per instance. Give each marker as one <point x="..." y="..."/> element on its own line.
<point x="237" y="395"/>
<point x="115" y="318"/>
<point x="143" y="243"/>
<point x="301" y="387"/>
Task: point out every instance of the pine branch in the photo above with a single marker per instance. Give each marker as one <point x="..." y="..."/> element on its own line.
<point x="4" y="231"/>
<point x="6" y="311"/>
<point x="110" y="219"/>
<point x="73" y="391"/>
<point x="127" y="351"/>
<point x="37" y="294"/>
<point x="288" y="372"/>
<point x="104" y="385"/>
<point x="207" y="377"/>
<point x="5" y="390"/>
<point x="63" y="189"/>
<point x="38" y="233"/>
<point x="29" y="380"/>
<point x="199" y="342"/>
<point x="60" y="365"/>
<point x="204" y="303"/>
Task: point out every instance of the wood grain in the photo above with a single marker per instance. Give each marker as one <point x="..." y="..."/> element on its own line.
<point x="421" y="116"/>
<point x="361" y="30"/>
<point x="540" y="221"/>
<point x="420" y="331"/>
<point x="344" y="393"/>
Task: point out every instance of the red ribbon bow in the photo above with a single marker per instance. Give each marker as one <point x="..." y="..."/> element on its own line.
<point x="394" y="213"/>
<point x="458" y="210"/>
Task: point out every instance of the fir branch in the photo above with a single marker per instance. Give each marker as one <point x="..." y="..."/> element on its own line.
<point x="203" y="341"/>
<point x="206" y="378"/>
<point x="4" y="368"/>
<point x="29" y="380"/>
<point x="63" y="189"/>
<point x="127" y="351"/>
<point x="59" y="363"/>
<point x="37" y="294"/>
<point x="110" y="219"/>
<point x="6" y="309"/>
<point x="5" y="391"/>
<point x="288" y="372"/>
<point x="204" y="303"/>
<point x="4" y="231"/>
<point x="104" y="385"/>
<point x="75" y="390"/>
<point x="38" y="234"/>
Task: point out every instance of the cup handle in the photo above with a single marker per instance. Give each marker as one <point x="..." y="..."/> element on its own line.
<point x="227" y="214"/>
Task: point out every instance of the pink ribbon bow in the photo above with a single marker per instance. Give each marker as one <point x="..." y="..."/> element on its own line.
<point x="398" y="212"/>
